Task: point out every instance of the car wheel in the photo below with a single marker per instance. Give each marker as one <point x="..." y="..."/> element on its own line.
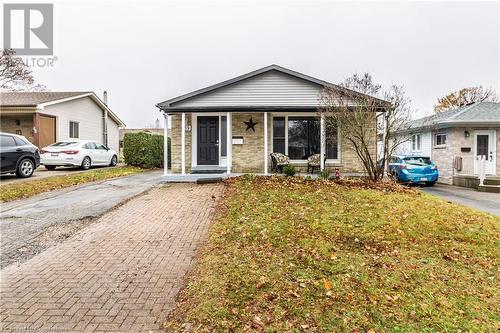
<point x="50" y="167"/>
<point x="85" y="163"/>
<point x="114" y="161"/>
<point x="25" y="168"/>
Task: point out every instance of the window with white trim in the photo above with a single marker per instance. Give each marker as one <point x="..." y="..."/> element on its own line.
<point x="416" y="142"/>
<point x="440" y="139"/>
<point x="299" y="137"/>
<point x="74" y="130"/>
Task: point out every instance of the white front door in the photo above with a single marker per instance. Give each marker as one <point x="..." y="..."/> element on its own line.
<point x="485" y="145"/>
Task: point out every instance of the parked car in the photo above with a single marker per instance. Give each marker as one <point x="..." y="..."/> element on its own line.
<point x="18" y="155"/>
<point x="77" y="153"/>
<point x="413" y="169"/>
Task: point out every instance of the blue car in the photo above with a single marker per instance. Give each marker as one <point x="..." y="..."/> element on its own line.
<point x="413" y="169"/>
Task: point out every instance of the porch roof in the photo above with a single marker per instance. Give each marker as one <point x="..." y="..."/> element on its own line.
<point x="239" y="108"/>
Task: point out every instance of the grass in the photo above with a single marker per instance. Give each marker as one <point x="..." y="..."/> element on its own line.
<point x="294" y="255"/>
<point x="28" y="188"/>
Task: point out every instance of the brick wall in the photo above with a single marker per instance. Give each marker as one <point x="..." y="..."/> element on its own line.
<point x="176" y="143"/>
<point x="455" y="140"/>
<point x="8" y="125"/>
<point x="249" y="157"/>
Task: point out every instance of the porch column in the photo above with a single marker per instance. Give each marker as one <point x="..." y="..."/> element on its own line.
<point x="165" y="144"/>
<point x="229" y="143"/>
<point x="183" y="144"/>
<point x="322" y="141"/>
<point x="265" y="143"/>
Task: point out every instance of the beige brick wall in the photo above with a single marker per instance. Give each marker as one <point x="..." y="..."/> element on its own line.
<point x="176" y="143"/>
<point x="455" y="140"/>
<point x="8" y="125"/>
<point x="249" y="157"/>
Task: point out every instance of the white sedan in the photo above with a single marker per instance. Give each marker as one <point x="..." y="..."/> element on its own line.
<point x="79" y="153"/>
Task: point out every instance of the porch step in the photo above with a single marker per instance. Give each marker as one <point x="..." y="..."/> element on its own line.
<point x="489" y="188"/>
<point x="207" y="172"/>
<point x="492" y="181"/>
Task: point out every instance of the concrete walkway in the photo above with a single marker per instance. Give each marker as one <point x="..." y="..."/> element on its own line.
<point x="120" y="274"/>
<point x="28" y="226"/>
<point x="486" y="202"/>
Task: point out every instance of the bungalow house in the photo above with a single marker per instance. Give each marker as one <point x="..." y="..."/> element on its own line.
<point x="46" y="117"/>
<point x="456" y="139"/>
<point x="234" y="126"/>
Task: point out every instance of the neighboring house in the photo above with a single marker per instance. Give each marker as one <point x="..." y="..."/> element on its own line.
<point x="46" y="117"/>
<point x="223" y="127"/>
<point x="455" y="139"/>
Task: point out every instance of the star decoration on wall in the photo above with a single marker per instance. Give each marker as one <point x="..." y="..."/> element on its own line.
<point x="250" y="124"/>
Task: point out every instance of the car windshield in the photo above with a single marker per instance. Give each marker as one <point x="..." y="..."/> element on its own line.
<point x="64" y="144"/>
<point x="417" y="160"/>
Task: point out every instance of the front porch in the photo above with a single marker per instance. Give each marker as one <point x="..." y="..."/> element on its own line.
<point x="238" y="142"/>
<point x="477" y="172"/>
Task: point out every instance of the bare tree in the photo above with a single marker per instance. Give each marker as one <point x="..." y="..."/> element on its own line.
<point x="363" y="111"/>
<point x="464" y="97"/>
<point x="15" y="74"/>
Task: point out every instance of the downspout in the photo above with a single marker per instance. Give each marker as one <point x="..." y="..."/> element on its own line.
<point x="105" y="120"/>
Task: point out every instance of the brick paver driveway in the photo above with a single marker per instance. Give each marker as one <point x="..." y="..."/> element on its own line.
<point x="120" y="274"/>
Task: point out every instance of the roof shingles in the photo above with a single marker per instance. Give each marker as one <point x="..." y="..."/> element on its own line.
<point x="477" y="112"/>
<point x="35" y="98"/>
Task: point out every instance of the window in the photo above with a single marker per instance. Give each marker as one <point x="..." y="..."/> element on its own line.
<point x="223" y="136"/>
<point x="90" y="145"/>
<point x="279" y="135"/>
<point x="20" y="142"/>
<point x="99" y="146"/>
<point x="440" y="139"/>
<point x="417" y="160"/>
<point x="74" y="130"/>
<point x="415" y="142"/>
<point x="303" y="135"/>
<point x="7" y="141"/>
<point x="64" y="144"/>
<point x="332" y="143"/>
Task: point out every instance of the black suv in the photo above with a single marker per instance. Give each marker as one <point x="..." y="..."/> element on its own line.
<point x="18" y="155"/>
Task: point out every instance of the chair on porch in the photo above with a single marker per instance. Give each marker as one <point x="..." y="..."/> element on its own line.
<point x="278" y="161"/>
<point x="313" y="162"/>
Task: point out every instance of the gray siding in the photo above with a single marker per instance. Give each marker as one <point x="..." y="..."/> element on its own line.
<point x="268" y="89"/>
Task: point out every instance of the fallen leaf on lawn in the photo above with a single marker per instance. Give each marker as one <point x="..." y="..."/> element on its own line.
<point x="261" y="283"/>
<point x="257" y="321"/>
<point x="327" y="284"/>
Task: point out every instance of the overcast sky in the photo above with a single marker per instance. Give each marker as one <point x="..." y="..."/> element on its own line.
<point x="146" y="52"/>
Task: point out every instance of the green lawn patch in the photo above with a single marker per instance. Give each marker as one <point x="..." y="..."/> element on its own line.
<point x="296" y="255"/>
<point x="28" y="188"/>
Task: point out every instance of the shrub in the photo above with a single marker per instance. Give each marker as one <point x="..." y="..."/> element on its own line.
<point x="289" y="170"/>
<point x="325" y="174"/>
<point x="144" y="150"/>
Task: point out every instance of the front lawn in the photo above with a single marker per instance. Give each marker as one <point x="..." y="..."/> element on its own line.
<point x="28" y="188"/>
<point x="294" y="255"/>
